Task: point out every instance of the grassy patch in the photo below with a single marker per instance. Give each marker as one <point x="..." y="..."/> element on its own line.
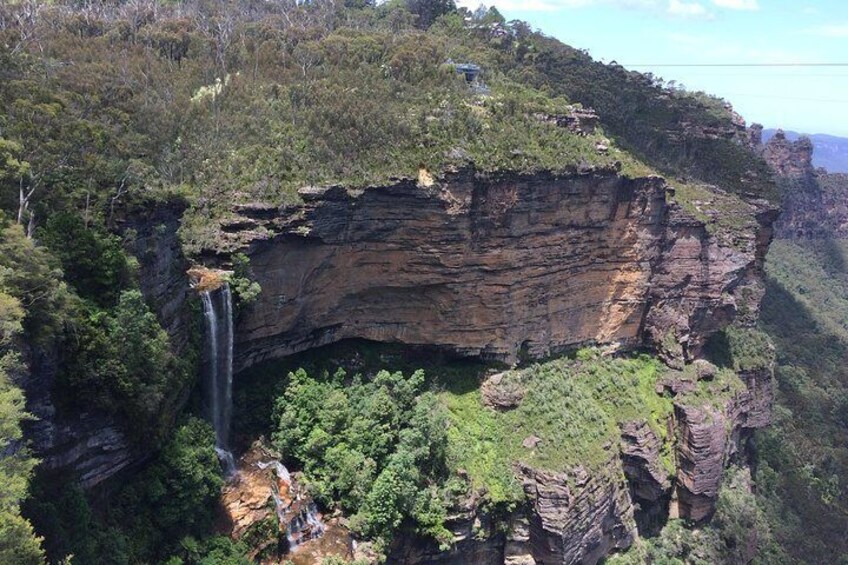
<point x="723" y="213"/>
<point x="574" y="406"/>
<point x="715" y="392"/>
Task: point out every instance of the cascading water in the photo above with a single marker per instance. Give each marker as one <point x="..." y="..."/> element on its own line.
<point x="299" y="516"/>
<point x="218" y="313"/>
<point x="267" y="493"/>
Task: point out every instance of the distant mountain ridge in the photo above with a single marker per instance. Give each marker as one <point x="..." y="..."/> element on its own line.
<point x="829" y="151"/>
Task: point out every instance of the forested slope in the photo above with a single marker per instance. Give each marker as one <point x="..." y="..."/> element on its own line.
<point x="123" y="121"/>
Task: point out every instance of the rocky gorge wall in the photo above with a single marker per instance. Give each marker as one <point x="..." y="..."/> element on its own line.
<point x="525" y="266"/>
<point x="496" y="267"/>
<point x="502" y="268"/>
<point x="89" y="444"/>
<point x="815" y="202"/>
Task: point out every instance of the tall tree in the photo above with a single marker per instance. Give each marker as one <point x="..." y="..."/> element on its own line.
<point x="18" y="543"/>
<point x="428" y="11"/>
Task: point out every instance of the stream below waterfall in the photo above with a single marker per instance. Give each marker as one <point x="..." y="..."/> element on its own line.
<point x="267" y="504"/>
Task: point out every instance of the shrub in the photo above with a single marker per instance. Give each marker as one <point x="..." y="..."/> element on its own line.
<point x="95" y="263"/>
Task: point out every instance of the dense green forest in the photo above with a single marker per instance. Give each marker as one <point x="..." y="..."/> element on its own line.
<point x="801" y="459"/>
<point x="107" y="108"/>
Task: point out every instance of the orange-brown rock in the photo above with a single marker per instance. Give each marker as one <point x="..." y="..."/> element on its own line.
<point x="710" y="436"/>
<point x="495" y="266"/>
<point x="264" y="505"/>
<point x="205" y="280"/>
<point x="248" y="499"/>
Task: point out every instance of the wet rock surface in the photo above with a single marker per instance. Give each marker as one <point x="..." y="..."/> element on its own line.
<point x="265" y="506"/>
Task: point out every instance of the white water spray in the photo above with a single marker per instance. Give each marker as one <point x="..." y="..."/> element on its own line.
<point x="218" y="313"/>
<point x="300" y="516"/>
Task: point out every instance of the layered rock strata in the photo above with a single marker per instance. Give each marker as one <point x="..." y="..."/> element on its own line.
<point x="496" y="267"/>
<point x="524" y="265"/>
<point x="814" y="201"/>
<point x="710" y="436"/>
<point x="500" y="268"/>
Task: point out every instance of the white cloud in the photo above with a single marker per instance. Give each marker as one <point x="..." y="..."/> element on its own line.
<point x="686" y="9"/>
<point x="831" y="30"/>
<point x="737" y="4"/>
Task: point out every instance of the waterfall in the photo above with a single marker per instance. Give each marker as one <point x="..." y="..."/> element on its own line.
<point x="299" y="515"/>
<point x="218" y="314"/>
<point x="306" y="525"/>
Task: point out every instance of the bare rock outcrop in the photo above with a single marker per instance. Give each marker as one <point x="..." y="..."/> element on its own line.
<point x="579" y="120"/>
<point x="496" y="267"/>
<point x="640" y="457"/>
<point x="710" y="436"/>
<point x="502" y="391"/>
<point x="577" y="517"/>
<point x="788" y="158"/>
<point x="267" y="508"/>
<point x="813" y="205"/>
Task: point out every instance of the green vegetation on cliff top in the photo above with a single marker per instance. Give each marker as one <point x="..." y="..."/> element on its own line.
<point x="234" y="102"/>
<point x="105" y="107"/>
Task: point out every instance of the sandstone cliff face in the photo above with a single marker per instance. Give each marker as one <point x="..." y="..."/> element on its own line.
<point x="787" y="158"/>
<point x="816" y="207"/>
<point x="91" y="445"/>
<point x="640" y="460"/>
<point x="578" y="517"/>
<point x="524" y="266"/>
<point x="496" y="267"/>
<point x="814" y="203"/>
<point x="570" y="517"/>
<point x="710" y="436"/>
<point x="87" y="445"/>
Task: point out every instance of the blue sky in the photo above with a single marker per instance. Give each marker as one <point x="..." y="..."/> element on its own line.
<point x="641" y="34"/>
